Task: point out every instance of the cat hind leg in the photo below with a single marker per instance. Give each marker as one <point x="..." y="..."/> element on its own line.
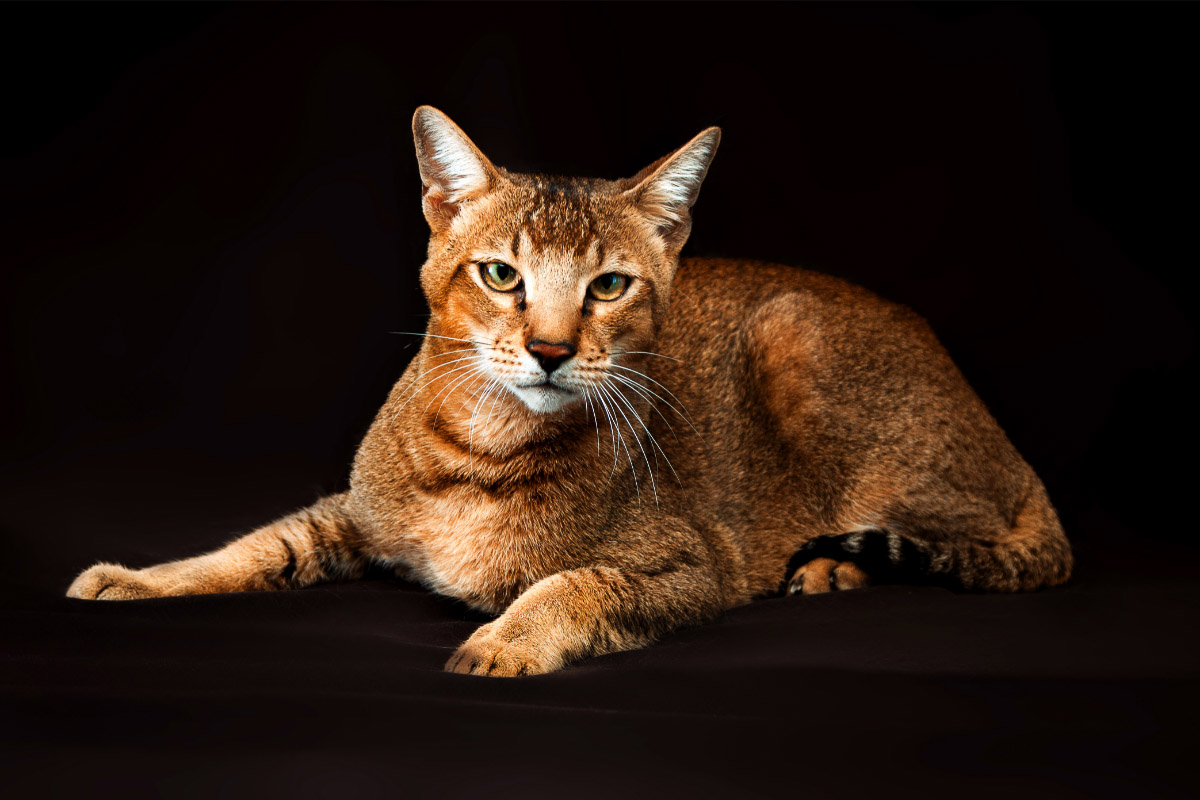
<point x="853" y="561"/>
<point x="827" y="575"/>
<point x="1030" y="552"/>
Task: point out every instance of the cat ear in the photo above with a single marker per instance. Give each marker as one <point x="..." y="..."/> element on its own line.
<point x="666" y="190"/>
<point x="452" y="168"/>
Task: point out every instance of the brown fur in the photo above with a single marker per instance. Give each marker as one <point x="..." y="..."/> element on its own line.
<point x="776" y="411"/>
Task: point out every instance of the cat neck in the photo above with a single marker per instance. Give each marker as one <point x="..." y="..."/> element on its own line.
<point x="466" y="425"/>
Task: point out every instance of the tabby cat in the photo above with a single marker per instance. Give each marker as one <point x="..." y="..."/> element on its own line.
<point x="601" y="443"/>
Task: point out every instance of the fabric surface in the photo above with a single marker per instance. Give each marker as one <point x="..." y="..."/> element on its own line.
<point x="337" y="690"/>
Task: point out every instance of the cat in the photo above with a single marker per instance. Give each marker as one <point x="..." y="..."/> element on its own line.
<point x="601" y="443"/>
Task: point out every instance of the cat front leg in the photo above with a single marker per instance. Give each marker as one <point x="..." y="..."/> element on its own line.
<point x="591" y="611"/>
<point x="313" y="545"/>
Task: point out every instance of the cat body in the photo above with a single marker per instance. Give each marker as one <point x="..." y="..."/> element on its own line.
<point x="601" y="443"/>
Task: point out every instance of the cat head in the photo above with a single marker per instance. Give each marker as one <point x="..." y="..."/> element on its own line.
<point x="552" y="280"/>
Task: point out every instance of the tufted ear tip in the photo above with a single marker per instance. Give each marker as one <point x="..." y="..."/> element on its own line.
<point x="668" y="188"/>
<point x="425" y="116"/>
<point x="712" y="135"/>
<point x="453" y="169"/>
<point x="704" y="146"/>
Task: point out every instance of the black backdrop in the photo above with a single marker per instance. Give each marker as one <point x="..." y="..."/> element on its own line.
<point x="211" y="221"/>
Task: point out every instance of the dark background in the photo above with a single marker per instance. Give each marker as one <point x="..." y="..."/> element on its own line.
<point x="211" y="222"/>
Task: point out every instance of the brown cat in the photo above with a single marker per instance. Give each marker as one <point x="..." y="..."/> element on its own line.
<point x="601" y="443"/>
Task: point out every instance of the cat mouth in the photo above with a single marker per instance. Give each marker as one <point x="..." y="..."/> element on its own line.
<point x="545" y="397"/>
<point x="546" y="385"/>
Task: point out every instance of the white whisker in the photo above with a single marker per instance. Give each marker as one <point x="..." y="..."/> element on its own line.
<point x="651" y="396"/>
<point x="412" y="394"/>
<point x="684" y="414"/>
<point x="587" y="399"/>
<point x="643" y="353"/>
<point x="471" y="370"/>
<point x="476" y="373"/>
<point x="499" y="390"/>
<point x="459" y="350"/>
<point x="620" y="400"/>
<point x="612" y="432"/>
<point x="637" y="439"/>
<point x="434" y="379"/>
<point x="654" y="442"/>
<point x="491" y="385"/>
<point x="436" y="336"/>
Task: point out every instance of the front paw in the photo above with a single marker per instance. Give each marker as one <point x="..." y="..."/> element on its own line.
<point x="487" y="652"/>
<point x="110" y="582"/>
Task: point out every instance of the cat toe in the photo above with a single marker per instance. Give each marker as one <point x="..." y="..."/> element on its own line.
<point x="848" y="575"/>
<point x="486" y="653"/>
<point x="827" y="575"/>
<point x="108" y="582"/>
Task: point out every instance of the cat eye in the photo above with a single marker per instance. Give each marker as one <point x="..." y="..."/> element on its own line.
<point x="608" y="286"/>
<point x="500" y="276"/>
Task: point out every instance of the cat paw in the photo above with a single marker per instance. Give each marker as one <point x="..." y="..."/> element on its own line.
<point x="109" y="582"/>
<point x="488" y="653"/>
<point x="827" y="575"/>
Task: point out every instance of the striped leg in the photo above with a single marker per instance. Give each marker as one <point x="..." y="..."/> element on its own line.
<point x="854" y="560"/>
<point x="313" y="545"/>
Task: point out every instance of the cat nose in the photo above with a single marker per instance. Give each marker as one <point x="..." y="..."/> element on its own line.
<point x="550" y="355"/>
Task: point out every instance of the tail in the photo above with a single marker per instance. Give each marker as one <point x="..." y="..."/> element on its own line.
<point x="1033" y="553"/>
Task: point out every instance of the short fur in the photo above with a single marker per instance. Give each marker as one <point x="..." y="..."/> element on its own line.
<point x="724" y="431"/>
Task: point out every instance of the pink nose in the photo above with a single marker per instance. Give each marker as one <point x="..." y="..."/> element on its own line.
<point x="550" y="355"/>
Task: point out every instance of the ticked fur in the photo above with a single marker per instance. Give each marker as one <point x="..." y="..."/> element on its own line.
<point x="720" y="430"/>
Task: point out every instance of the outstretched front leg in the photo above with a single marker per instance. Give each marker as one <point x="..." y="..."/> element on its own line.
<point x="316" y="544"/>
<point x="595" y="610"/>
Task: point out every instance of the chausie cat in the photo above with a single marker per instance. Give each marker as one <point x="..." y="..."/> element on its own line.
<point x="602" y="443"/>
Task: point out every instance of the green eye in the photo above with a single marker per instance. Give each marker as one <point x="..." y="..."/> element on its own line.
<point x="608" y="286"/>
<point x="500" y="276"/>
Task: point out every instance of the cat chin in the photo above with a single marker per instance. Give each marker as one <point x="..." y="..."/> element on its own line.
<point x="544" y="399"/>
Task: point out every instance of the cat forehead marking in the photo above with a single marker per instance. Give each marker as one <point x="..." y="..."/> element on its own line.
<point x="561" y="215"/>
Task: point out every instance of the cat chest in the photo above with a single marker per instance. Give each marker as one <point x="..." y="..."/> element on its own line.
<point x="485" y="551"/>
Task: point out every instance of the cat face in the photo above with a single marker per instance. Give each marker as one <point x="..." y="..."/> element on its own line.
<point x="553" y="281"/>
